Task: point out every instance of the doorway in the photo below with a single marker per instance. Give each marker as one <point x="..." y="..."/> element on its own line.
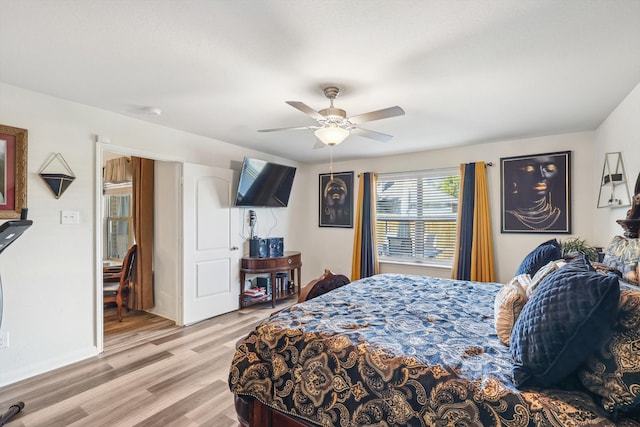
<point x="189" y="256"/>
<point x="124" y="327"/>
<point x="166" y="286"/>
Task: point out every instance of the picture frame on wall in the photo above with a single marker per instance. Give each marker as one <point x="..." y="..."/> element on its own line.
<point x="536" y="193"/>
<point x="13" y="171"/>
<point x="336" y="200"/>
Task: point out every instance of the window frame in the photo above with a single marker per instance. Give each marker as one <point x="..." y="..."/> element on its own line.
<point x="110" y="191"/>
<point x="429" y="238"/>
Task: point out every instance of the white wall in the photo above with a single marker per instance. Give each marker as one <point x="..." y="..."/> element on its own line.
<point x="333" y="247"/>
<point x="620" y="132"/>
<point x="49" y="274"/>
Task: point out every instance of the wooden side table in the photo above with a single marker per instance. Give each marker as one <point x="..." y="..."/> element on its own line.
<point x="290" y="262"/>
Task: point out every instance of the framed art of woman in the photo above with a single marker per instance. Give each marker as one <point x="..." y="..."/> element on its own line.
<point x="336" y="200"/>
<point x="535" y="193"/>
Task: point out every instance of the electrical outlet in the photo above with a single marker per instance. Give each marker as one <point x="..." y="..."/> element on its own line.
<point x="4" y="340"/>
<point x="69" y="217"/>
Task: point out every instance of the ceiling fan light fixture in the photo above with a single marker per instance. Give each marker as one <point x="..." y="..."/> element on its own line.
<point x="332" y="135"/>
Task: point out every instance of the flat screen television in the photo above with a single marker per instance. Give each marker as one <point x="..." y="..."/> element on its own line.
<point x="264" y="184"/>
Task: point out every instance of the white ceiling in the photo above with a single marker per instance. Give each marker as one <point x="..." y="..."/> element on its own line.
<point x="464" y="71"/>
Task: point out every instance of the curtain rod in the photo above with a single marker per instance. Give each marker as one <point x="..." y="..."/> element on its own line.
<point x="375" y="173"/>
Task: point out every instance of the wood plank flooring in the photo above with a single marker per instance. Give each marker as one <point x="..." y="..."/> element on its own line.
<point x="152" y="373"/>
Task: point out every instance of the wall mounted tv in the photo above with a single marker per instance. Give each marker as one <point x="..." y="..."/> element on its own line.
<point x="264" y="184"/>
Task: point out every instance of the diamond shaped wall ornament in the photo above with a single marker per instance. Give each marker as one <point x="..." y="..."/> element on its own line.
<point x="56" y="180"/>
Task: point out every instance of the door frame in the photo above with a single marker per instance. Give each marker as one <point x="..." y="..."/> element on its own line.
<point x="101" y="148"/>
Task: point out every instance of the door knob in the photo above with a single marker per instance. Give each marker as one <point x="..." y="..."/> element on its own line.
<point x="234" y="248"/>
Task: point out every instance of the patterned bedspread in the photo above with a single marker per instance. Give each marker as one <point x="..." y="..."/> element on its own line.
<point x="397" y="350"/>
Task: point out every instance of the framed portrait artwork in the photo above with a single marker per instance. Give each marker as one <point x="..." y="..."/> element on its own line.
<point x="336" y="200"/>
<point x="13" y="171"/>
<point x="536" y="193"/>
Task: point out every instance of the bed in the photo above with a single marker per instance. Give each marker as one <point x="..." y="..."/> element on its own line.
<point x="399" y="350"/>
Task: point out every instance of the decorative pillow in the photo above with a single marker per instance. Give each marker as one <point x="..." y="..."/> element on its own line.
<point x="508" y="305"/>
<point x="613" y="372"/>
<point x="325" y="283"/>
<point x="542" y="273"/>
<point x="541" y="255"/>
<point x="623" y="254"/>
<point x="566" y="318"/>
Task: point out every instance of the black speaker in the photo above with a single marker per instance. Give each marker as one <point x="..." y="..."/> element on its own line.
<point x="276" y="247"/>
<point x="259" y="248"/>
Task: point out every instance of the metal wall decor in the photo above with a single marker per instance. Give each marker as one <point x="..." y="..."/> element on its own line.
<point x="614" y="191"/>
<point x="56" y="181"/>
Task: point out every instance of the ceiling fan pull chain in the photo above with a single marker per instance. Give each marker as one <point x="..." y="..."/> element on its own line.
<point x="331" y="162"/>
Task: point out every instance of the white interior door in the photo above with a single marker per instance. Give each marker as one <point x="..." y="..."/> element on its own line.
<point x="210" y="251"/>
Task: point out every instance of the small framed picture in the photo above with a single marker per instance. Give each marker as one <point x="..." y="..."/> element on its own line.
<point x="336" y="200"/>
<point x="536" y="193"/>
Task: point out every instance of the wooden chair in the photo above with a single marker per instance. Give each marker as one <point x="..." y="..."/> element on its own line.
<point x="116" y="288"/>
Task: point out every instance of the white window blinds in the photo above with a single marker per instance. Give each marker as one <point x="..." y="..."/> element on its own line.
<point x="416" y="214"/>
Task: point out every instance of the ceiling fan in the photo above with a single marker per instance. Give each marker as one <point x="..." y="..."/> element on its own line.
<point x="333" y="124"/>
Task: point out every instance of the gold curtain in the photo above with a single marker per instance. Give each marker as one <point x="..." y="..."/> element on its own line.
<point x="482" y="265"/>
<point x="473" y="259"/>
<point x="143" y="182"/>
<point x="365" y="253"/>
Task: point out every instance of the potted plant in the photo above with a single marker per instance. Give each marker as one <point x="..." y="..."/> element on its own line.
<point x="574" y="245"/>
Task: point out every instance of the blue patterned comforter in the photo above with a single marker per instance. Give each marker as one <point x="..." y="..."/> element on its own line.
<point x="397" y="350"/>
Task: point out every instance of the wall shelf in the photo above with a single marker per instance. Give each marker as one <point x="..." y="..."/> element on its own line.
<point x="614" y="191"/>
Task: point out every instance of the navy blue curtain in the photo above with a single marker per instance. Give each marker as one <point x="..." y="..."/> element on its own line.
<point x="465" y="241"/>
<point x="365" y="257"/>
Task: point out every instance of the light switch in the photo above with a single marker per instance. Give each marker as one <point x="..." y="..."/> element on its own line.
<point x="69" y="217"/>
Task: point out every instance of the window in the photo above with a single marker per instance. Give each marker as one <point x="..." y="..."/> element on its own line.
<point x="416" y="215"/>
<point x="119" y="220"/>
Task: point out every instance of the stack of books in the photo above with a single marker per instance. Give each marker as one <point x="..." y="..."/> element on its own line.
<point x="255" y="294"/>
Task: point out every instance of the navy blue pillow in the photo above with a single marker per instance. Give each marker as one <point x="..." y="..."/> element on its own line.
<point x="565" y="320"/>
<point x="580" y="263"/>
<point x="539" y="257"/>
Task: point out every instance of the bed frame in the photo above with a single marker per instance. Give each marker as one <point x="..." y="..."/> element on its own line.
<point x="252" y="413"/>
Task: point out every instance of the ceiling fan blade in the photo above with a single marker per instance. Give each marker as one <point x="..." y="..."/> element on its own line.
<point x="289" y="128"/>
<point x="318" y="144"/>
<point x="371" y="134"/>
<point x="306" y="109"/>
<point x="385" y="113"/>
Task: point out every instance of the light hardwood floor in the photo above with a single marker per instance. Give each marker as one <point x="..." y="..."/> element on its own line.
<point x="152" y="373"/>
